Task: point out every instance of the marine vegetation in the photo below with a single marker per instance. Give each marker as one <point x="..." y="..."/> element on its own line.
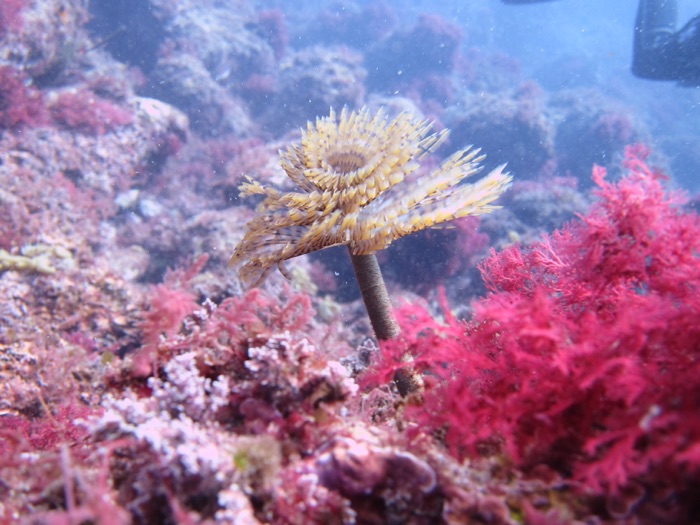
<point x="582" y="360"/>
<point x="359" y="184"/>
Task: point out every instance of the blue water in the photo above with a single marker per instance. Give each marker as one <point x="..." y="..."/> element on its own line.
<point x="570" y="43"/>
<point x="559" y="45"/>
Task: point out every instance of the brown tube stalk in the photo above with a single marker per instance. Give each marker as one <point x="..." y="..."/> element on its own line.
<point x="375" y="296"/>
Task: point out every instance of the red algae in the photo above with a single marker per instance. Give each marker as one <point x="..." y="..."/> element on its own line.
<point x="580" y="358"/>
<point x="10" y="15"/>
<point x="20" y="105"/>
<point x="87" y="113"/>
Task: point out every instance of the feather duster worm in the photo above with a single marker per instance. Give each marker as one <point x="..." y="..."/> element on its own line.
<point x="359" y="185"/>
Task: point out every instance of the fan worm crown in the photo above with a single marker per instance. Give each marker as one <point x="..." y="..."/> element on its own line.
<point x="359" y="184"/>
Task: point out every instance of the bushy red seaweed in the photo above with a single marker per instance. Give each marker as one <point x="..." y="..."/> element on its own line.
<point x="20" y="105"/>
<point x="88" y="113"/>
<point x="584" y="356"/>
